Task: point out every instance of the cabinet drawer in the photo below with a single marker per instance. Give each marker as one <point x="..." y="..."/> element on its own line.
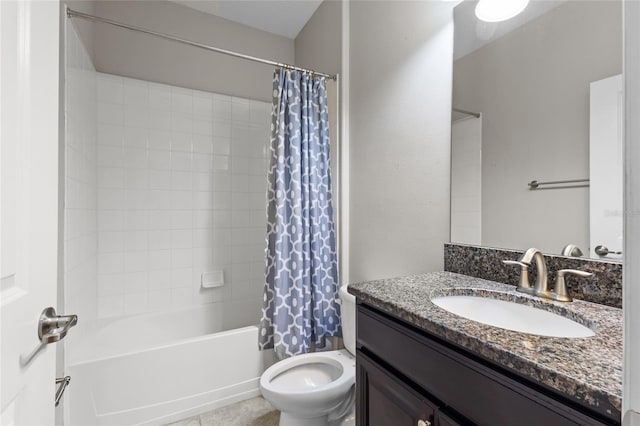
<point x="477" y="392"/>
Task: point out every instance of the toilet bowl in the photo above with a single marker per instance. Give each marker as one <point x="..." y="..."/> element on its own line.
<point x="316" y="389"/>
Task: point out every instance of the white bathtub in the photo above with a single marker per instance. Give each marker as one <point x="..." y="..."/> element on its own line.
<point x="158" y="368"/>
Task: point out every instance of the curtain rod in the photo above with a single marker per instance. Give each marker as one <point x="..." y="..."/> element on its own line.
<point x="74" y="14"/>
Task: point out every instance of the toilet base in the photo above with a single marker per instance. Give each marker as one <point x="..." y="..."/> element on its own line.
<point x="286" y="419"/>
<point x="349" y="419"/>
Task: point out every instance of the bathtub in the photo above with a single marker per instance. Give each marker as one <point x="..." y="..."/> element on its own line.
<point x="159" y="368"/>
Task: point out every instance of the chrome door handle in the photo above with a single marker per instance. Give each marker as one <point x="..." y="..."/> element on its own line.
<point x="62" y="383"/>
<point x="52" y="327"/>
<point x="424" y="423"/>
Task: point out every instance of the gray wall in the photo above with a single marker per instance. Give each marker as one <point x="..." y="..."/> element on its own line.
<point x="400" y="58"/>
<point x="532" y="87"/>
<point x="135" y="55"/>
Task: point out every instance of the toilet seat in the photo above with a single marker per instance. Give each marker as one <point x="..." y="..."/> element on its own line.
<point x="311" y="382"/>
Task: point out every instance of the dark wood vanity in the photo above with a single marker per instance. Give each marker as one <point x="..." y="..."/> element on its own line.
<point x="408" y="376"/>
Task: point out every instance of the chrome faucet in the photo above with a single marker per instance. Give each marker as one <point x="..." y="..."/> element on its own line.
<point x="541" y="287"/>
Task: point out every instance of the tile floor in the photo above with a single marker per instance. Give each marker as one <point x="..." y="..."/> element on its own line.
<point x="252" y="412"/>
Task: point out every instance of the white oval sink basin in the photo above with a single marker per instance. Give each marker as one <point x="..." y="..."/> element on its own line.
<point x="512" y="316"/>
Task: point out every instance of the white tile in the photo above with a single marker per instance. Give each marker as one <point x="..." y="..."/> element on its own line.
<point x="240" y="183"/>
<point x="181" y="219"/>
<point x="181" y="200"/>
<point x="203" y="200"/>
<point x="159" y="219"/>
<point x="202" y="127"/>
<point x="135" y="137"/>
<point x="135" y="303"/>
<point x="160" y="119"/>
<point x="110" y="177"/>
<point x="222" y="146"/>
<point x="109" y="89"/>
<point x="110" y="306"/>
<point x="202" y="162"/>
<point x="110" y="199"/>
<point x="181" y="296"/>
<point x="110" y="285"/>
<point x="136" y="241"/>
<point x="135" y="220"/>
<point x="160" y="96"/>
<point x="221" y="163"/>
<point x="110" y="134"/>
<point x="181" y="122"/>
<point x="159" y="239"/>
<point x="181" y="238"/>
<point x="136" y="116"/>
<point x="203" y="219"/>
<point x="202" y="144"/>
<point x="222" y="129"/>
<point x="159" y="299"/>
<point x="110" y="113"/>
<point x="159" y="179"/>
<point x="203" y="181"/>
<point x="160" y="279"/>
<point x="181" y="100"/>
<point x="136" y="92"/>
<point x="181" y="277"/>
<point x="160" y="199"/>
<point x="110" y="156"/>
<point x="221" y="200"/>
<point x="180" y="160"/>
<point x="203" y="238"/>
<point x="135" y="282"/>
<point x="159" y="139"/>
<point x="181" y="141"/>
<point x="109" y="242"/>
<point x="181" y="258"/>
<point x="222" y="181"/>
<point x="159" y="259"/>
<point x="221" y="108"/>
<point x="159" y="160"/>
<point x="110" y="220"/>
<point x="136" y="199"/>
<point x="240" y="110"/>
<point x="110" y="263"/>
<point x="181" y="181"/>
<point x="203" y="104"/>
<point x="222" y="218"/>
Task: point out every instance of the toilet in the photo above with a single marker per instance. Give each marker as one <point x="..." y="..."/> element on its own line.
<point x="317" y="389"/>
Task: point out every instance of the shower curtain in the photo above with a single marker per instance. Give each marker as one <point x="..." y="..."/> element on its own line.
<point x="300" y="306"/>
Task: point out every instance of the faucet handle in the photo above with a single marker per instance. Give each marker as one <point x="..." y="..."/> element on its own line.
<point x="560" y="292"/>
<point x="524" y="285"/>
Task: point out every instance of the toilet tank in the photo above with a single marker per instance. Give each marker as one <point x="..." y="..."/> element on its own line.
<point x="348" y="319"/>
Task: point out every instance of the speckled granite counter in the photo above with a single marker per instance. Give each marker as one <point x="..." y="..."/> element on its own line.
<point x="588" y="370"/>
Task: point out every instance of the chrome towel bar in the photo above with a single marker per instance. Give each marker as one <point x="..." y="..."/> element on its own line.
<point x="534" y="184"/>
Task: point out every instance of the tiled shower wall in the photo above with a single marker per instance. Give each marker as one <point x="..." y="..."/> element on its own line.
<point x="80" y="229"/>
<point x="181" y="192"/>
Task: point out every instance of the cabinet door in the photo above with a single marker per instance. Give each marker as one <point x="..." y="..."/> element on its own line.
<point x="444" y="420"/>
<point x="384" y="400"/>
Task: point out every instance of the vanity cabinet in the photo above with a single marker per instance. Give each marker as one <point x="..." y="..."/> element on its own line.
<point x="405" y="376"/>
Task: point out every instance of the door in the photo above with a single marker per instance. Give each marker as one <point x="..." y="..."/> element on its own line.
<point x="384" y="400"/>
<point x="605" y="167"/>
<point x="28" y="206"/>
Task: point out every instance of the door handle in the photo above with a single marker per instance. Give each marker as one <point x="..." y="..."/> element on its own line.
<point x="603" y="251"/>
<point x="53" y="327"/>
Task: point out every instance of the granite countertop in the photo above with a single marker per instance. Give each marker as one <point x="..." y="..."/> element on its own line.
<point x="588" y="370"/>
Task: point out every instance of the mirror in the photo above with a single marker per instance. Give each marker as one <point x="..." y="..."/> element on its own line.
<point x="537" y="129"/>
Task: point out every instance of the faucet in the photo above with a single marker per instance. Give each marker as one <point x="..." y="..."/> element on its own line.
<point x="541" y="287"/>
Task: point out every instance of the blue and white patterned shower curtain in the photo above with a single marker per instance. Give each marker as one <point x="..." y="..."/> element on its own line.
<point x="301" y="279"/>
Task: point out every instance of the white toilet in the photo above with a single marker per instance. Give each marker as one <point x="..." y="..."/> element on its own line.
<point x="317" y="389"/>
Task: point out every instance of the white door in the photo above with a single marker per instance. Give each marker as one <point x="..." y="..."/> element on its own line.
<point x="28" y="206"/>
<point x="606" y="166"/>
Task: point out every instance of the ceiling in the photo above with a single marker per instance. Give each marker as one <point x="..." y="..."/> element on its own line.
<point x="282" y="17"/>
<point x="471" y="33"/>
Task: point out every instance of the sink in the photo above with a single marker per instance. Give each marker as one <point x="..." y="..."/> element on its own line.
<point x="512" y="316"/>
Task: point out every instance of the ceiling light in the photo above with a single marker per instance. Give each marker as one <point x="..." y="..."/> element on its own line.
<point x="499" y="10"/>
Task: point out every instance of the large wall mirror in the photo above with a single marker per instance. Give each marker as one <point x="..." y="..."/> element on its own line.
<point x="537" y="129"/>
